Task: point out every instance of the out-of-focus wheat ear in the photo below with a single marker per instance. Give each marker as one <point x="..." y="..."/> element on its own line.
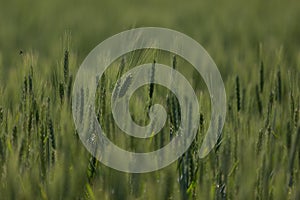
<point x="170" y="97"/>
<point x="36" y="113"/>
<point x="47" y="142"/>
<point x="174" y="62"/>
<point x="296" y="114"/>
<point x="261" y="77"/>
<point x="220" y="138"/>
<point x="237" y="92"/>
<point x="66" y="67"/>
<point x="151" y="85"/>
<point x="279" y="87"/>
<point x="201" y="124"/>
<point x="292" y="157"/>
<point x="91" y="170"/>
<point x="24" y="95"/>
<point x="102" y="98"/>
<point x="173" y="103"/>
<point x="52" y="141"/>
<point x="258" y="99"/>
<point x="61" y="92"/>
<point x="43" y="155"/>
<point x="30" y="84"/>
<point x="270" y="106"/>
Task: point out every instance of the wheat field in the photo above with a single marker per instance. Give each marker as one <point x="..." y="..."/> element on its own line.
<point x="256" y="47"/>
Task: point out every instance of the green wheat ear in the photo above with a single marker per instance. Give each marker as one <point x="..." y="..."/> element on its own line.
<point x="237" y="92"/>
<point x="61" y="92"/>
<point x="66" y="67"/>
<point x="279" y="87"/>
<point x="52" y="141"/>
<point x="258" y="99"/>
<point x="261" y="77"/>
<point x="151" y="86"/>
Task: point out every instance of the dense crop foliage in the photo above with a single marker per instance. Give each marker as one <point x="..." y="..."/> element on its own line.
<point x="256" y="49"/>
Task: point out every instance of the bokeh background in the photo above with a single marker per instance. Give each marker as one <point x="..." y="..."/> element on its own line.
<point x="218" y="25"/>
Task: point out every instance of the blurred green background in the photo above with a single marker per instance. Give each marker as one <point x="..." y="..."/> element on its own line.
<point x="218" y="25"/>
